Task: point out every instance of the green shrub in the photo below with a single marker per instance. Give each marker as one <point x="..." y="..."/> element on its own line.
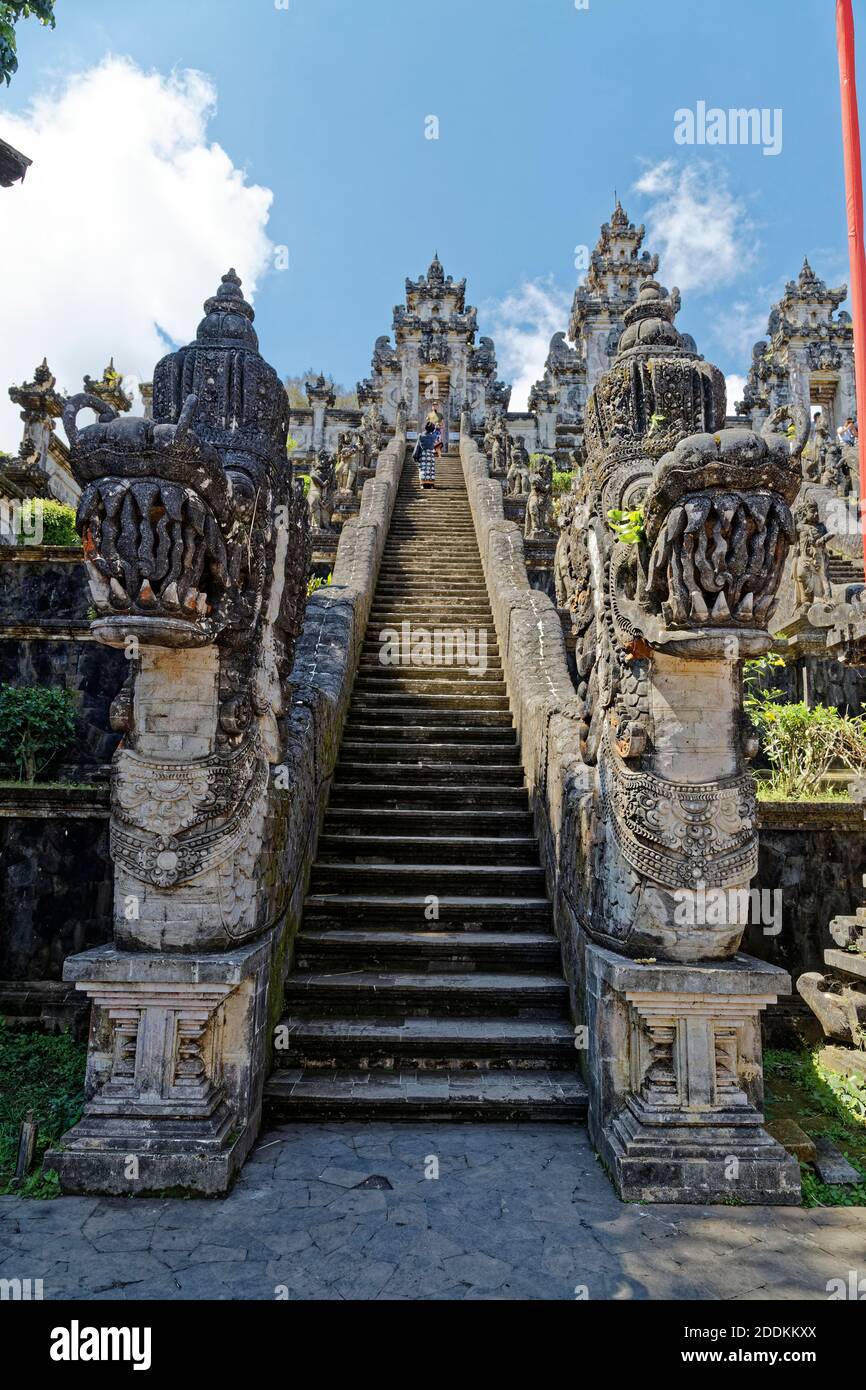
<point x="305" y="483"/>
<point x="45" y="1075"/>
<point x="561" y="482"/>
<point x="57" y="523"/>
<point x="627" y="526"/>
<point x="801" y="744"/>
<point x="315" y="582"/>
<point x="36" y="723"/>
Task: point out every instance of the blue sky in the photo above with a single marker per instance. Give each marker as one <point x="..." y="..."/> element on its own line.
<point x="543" y="110"/>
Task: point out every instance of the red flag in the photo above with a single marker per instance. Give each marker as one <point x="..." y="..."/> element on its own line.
<point x="854" y="201"/>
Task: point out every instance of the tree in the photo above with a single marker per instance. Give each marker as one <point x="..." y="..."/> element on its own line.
<point x="10" y="13"/>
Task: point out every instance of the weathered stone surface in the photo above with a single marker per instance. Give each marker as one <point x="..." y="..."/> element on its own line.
<point x="833" y="1167"/>
<point x="797" y="1142"/>
<point x="676" y="1097"/>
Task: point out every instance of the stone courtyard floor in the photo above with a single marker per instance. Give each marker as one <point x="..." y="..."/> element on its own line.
<point x="347" y="1211"/>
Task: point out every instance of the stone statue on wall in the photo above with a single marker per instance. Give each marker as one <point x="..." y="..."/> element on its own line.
<point x="835" y="473"/>
<point x="811" y="569"/>
<point x="372" y="428"/>
<point x="197" y="550"/>
<point x="564" y="580"/>
<point x="322" y="496"/>
<point x="517" y="480"/>
<point x="540" y="521"/>
<point x="690" y="588"/>
<point x="349" y="456"/>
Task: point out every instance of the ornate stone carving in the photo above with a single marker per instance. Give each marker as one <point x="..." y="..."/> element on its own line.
<point x="811" y="568"/>
<point x="517" y="481"/>
<point x="323" y="492"/>
<point x="540" y="520"/>
<point x="197" y="549"/>
<point x="350" y="454"/>
<point x="662" y="619"/>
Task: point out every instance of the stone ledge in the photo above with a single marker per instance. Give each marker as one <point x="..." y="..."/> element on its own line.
<point x="35" y="801"/>
<point x="36" y="554"/>
<point x="107" y="964"/>
<point x="810" y="815"/>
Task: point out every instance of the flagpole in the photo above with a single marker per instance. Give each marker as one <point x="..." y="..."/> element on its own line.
<point x="854" y="202"/>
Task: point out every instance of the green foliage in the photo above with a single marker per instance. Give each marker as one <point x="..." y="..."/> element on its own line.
<point x="36" y="723"/>
<point x="305" y="483"/>
<point x="58" y="524"/>
<point x="291" y="445"/>
<point x="824" y="1104"/>
<point x="656" y="422"/>
<point x="315" y="582"/>
<point x="802" y="744"/>
<point x="10" y="13"/>
<point x="627" y="526"/>
<point x="561" y="482"/>
<point x="45" y="1075"/>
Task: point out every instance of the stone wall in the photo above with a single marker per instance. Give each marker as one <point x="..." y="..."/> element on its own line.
<point x="45" y="640"/>
<point x="815" y="855"/>
<point x="323" y="674"/>
<point x="541" y="695"/>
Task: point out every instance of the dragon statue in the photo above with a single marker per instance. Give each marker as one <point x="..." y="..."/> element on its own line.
<point x="680" y="534"/>
<point x="197" y="552"/>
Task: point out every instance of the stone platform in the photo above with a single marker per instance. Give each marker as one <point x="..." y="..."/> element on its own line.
<point x="345" y="1211"/>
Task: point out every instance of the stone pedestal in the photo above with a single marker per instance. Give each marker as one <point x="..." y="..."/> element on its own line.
<point x="175" y="1066"/>
<point x="676" y="1084"/>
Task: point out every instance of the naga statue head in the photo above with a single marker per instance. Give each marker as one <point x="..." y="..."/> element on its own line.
<point x="188" y="520"/>
<point x="681" y="534"/>
<point x="197" y="550"/>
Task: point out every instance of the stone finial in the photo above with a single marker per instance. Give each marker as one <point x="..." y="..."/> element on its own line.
<point x="109" y="388"/>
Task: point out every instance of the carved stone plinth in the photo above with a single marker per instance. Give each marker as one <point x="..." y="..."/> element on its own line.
<point x="676" y="1083"/>
<point x="515" y="509"/>
<point x="175" y="1065"/>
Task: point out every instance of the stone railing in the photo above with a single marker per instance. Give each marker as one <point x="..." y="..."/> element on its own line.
<point x="326" y="659"/>
<point x="540" y="690"/>
<point x="671" y="1048"/>
<point x="197" y="549"/>
<point x="144" y="1001"/>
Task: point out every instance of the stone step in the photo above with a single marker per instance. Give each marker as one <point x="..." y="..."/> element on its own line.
<point x="428" y="612"/>
<point x="406" y="700"/>
<point x="385" y="993"/>
<point x="490" y="824"/>
<point x="365" y="715"/>
<point x="429" y="773"/>
<point x="423" y="948"/>
<point x="406" y="797"/>
<point x="429" y="848"/>
<point x="316" y="1093"/>
<point x="426" y="735"/>
<point x="412" y="1041"/>
<point x="402" y="680"/>
<point x="325" y="910"/>
<point x="424" y="879"/>
<point x="503" y="752"/>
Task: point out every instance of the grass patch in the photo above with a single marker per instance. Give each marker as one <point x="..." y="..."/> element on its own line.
<point x="767" y="792"/>
<point x="825" y="1105"/>
<point x="44" y="1074"/>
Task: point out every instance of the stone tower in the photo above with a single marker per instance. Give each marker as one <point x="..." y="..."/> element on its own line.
<point x="436" y="362"/>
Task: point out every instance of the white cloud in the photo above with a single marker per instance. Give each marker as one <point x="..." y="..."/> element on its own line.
<point x="522" y="325"/>
<point x="700" y="230"/>
<point x="122" y="227"/>
<point x="736" y="385"/>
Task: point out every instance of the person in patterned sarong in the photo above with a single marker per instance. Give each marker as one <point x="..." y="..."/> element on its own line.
<point x="424" y="452"/>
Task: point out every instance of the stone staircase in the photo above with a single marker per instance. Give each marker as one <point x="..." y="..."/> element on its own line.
<point x="394" y="1011"/>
